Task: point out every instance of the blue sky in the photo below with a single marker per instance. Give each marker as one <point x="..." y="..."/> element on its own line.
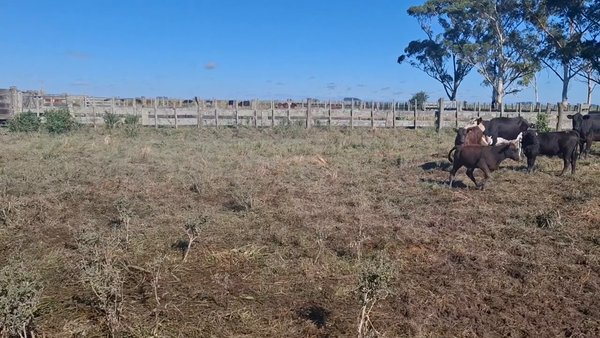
<point x="226" y="49"/>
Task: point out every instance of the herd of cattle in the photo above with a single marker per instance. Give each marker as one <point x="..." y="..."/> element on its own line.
<point x="485" y="144"/>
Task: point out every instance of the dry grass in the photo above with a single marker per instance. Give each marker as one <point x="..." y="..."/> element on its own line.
<point x="287" y="223"/>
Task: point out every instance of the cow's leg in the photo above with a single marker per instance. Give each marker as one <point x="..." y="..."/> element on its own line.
<point x="486" y="175"/>
<point x="581" y="145"/>
<point x="574" y="160"/>
<point x="566" y="161"/>
<point x="531" y="164"/>
<point x="471" y="176"/>
<point x="453" y="174"/>
<point x="588" y="145"/>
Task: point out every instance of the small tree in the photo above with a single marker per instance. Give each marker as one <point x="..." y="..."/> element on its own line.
<point x="419" y="98"/>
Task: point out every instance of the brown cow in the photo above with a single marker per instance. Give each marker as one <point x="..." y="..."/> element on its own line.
<point x="486" y="158"/>
<point x="468" y="136"/>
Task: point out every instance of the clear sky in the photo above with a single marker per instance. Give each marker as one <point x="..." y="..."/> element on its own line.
<point x="226" y="49"/>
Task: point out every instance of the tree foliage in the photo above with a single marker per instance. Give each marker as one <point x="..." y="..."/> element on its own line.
<point x="506" y="41"/>
<point x="439" y="52"/>
<point x="563" y="31"/>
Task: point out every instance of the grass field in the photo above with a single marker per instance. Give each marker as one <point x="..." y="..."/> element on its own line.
<point x="299" y="234"/>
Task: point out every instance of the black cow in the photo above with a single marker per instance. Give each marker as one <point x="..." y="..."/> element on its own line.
<point x="505" y="127"/>
<point x="554" y="143"/>
<point x="588" y="127"/>
<point x="486" y="158"/>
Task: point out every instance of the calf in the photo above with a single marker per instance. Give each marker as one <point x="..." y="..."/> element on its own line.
<point x="588" y="127"/>
<point x="486" y="158"/>
<point x="554" y="143"/>
<point x="468" y="136"/>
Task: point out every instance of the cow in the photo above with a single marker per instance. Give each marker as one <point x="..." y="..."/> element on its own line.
<point x="486" y="158"/>
<point x="506" y="127"/>
<point x="588" y="127"/>
<point x="468" y="136"/>
<point x="554" y="143"/>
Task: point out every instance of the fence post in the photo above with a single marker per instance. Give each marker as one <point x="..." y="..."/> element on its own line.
<point x="112" y="105"/>
<point x="372" y="115"/>
<point x="255" y="117"/>
<point x="519" y="109"/>
<point x="457" y="113"/>
<point x="394" y="114"/>
<point x="198" y="112"/>
<point x="415" y="107"/>
<point x="155" y="113"/>
<point x="440" y="114"/>
<point x="216" y="103"/>
<point x="289" y="117"/>
<point x="329" y="114"/>
<point x="501" y="109"/>
<point x="548" y="109"/>
<point x="93" y="113"/>
<point x="175" y="116"/>
<point x="352" y="114"/>
<point x="237" y="113"/>
<point x="308" y="116"/>
<point x="478" y="109"/>
<point x="272" y="114"/>
<point x="559" y="116"/>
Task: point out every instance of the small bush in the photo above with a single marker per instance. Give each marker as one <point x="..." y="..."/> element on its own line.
<point x="24" y="123"/>
<point x="59" y="121"/>
<point x="19" y="296"/>
<point x="110" y="119"/>
<point x="132" y="125"/>
<point x="542" y="123"/>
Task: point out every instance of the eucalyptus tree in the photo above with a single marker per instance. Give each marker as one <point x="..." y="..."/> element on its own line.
<point x="564" y="30"/>
<point x="442" y="51"/>
<point x="506" y="54"/>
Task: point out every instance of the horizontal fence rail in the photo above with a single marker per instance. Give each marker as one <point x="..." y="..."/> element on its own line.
<point x="163" y="111"/>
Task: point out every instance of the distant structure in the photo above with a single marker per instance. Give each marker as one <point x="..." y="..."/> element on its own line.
<point x="349" y="99"/>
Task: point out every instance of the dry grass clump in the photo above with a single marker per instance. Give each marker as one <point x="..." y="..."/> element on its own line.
<point x="291" y="233"/>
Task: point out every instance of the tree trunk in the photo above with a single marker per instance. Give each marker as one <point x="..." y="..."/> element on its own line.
<point x="590" y="85"/>
<point x="535" y="89"/>
<point x="500" y="88"/>
<point x="565" y="87"/>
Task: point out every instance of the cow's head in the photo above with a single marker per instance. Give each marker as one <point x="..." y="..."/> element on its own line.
<point x="511" y="150"/>
<point x="577" y="120"/>
<point x="461" y="136"/>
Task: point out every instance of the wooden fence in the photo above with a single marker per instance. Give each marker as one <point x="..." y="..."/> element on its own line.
<point x="162" y="111"/>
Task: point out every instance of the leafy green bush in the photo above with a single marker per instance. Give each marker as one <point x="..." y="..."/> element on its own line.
<point x="542" y="123"/>
<point x="19" y="297"/>
<point x="132" y="125"/>
<point x="132" y="119"/>
<point x="110" y="119"/>
<point x="24" y="123"/>
<point x="59" y="121"/>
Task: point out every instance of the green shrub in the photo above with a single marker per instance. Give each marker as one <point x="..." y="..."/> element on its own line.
<point x="24" y="123"/>
<point x="110" y="119"/>
<point x="132" y="119"/>
<point x="542" y="123"/>
<point x="59" y="121"/>
<point x="132" y="125"/>
<point x="19" y="297"/>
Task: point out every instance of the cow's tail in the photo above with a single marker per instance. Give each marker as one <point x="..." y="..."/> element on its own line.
<point x="450" y="153"/>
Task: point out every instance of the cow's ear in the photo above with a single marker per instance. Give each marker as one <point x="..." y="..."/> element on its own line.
<point x="570" y="117"/>
<point x="586" y="117"/>
<point x="455" y="130"/>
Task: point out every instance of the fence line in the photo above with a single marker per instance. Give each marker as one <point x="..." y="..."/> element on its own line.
<point x="163" y="111"/>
